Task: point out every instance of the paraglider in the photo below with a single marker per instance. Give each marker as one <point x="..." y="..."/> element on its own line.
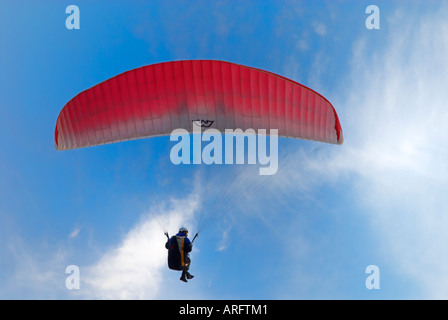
<point x="157" y="99"/>
<point x="179" y="247"/>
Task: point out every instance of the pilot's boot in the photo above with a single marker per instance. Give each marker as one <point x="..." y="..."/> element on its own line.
<point x="189" y="276"/>
<point x="182" y="278"/>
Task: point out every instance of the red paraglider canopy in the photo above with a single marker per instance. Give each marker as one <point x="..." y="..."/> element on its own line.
<point x="156" y="99"/>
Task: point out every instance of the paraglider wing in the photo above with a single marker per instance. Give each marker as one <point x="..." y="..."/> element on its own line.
<point x="156" y="99"/>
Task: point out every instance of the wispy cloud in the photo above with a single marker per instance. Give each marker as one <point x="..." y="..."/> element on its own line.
<point x="319" y="28"/>
<point x="225" y="241"/>
<point x="396" y="121"/>
<point x="392" y="104"/>
<point x="395" y="124"/>
<point x="38" y="273"/>
<point x="74" y="232"/>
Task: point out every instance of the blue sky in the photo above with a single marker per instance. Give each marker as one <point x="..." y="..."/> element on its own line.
<point x="307" y="232"/>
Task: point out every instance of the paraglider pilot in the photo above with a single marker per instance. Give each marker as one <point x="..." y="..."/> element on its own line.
<point x="179" y="247"/>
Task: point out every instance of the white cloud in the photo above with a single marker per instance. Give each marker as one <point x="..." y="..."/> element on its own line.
<point x="37" y="273"/>
<point x="319" y="28"/>
<point x="134" y="268"/>
<point x="225" y="241"/>
<point x="75" y="232"/>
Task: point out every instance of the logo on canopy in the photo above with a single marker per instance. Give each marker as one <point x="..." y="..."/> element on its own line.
<point x="203" y="123"/>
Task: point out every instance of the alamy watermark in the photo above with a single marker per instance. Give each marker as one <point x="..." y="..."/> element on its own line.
<point x="72" y="281"/>
<point x="73" y="20"/>
<point x="373" y="20"/>
<point x="233" y="148"/>
<point x="373" y="280"/>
